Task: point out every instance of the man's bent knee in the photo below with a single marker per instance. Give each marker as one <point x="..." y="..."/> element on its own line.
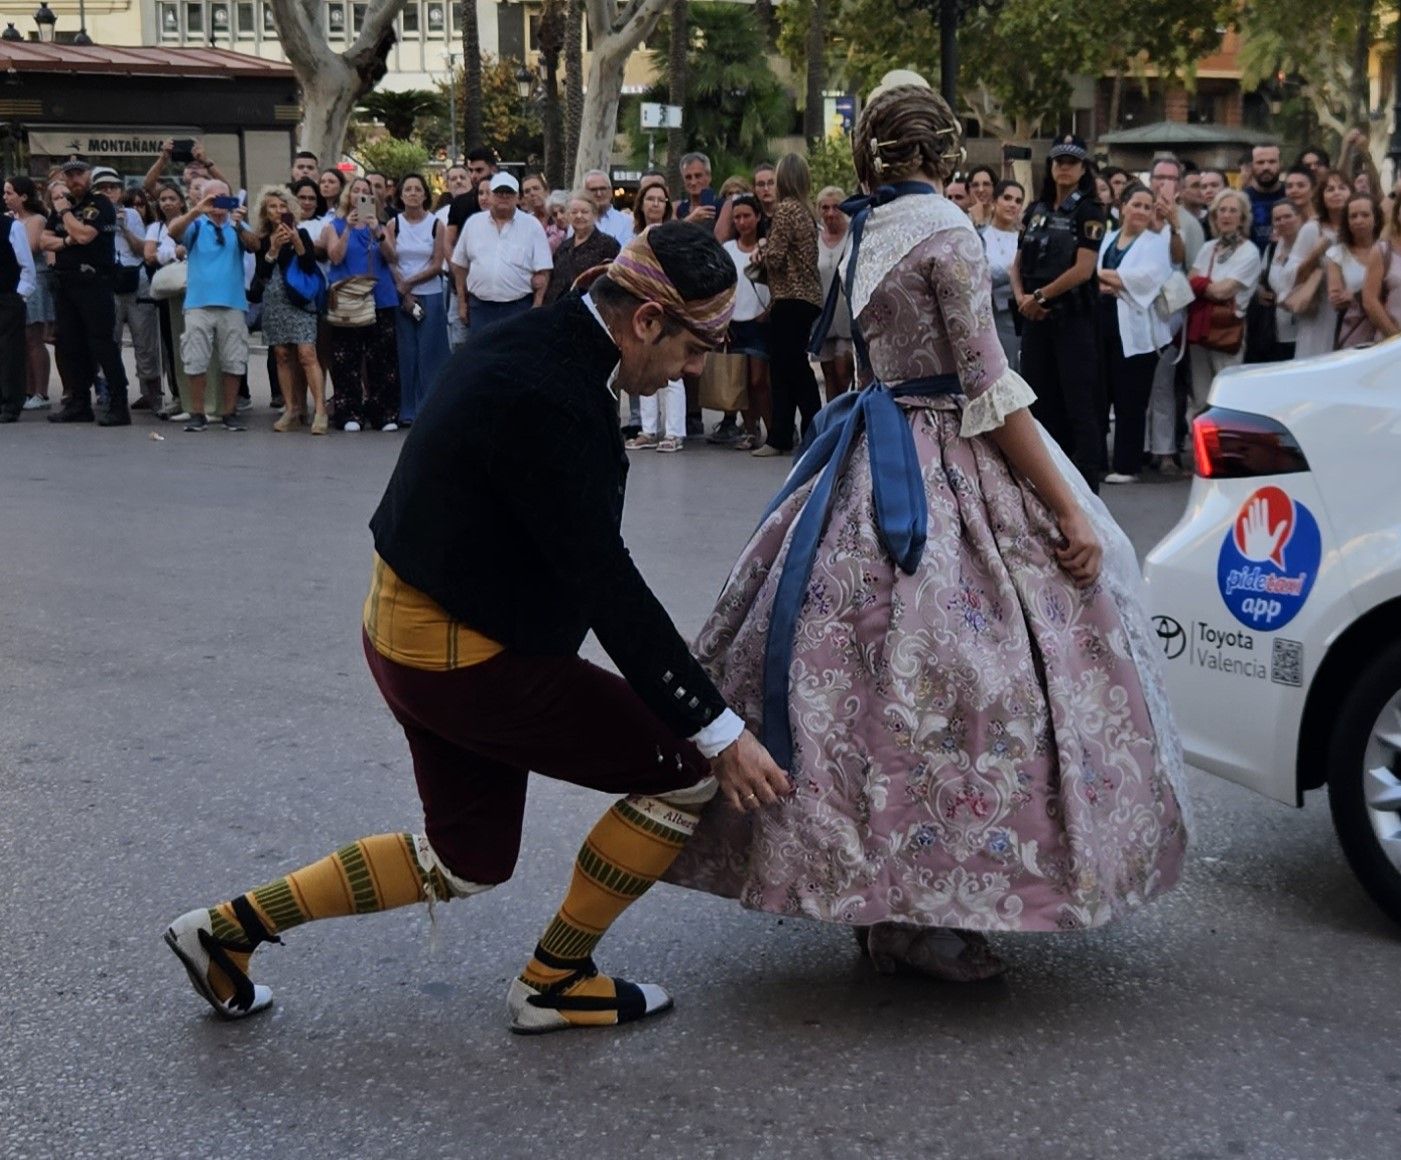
<point x="429" y="862"/>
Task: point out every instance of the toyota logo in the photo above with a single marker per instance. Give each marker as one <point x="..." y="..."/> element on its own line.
<point x="1170" y="636"/>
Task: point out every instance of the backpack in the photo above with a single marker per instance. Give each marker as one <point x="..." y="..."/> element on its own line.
<point x="9" y="260"/>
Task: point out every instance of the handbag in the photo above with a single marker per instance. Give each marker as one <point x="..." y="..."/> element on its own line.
<point x="724" y="382"/>
<point x="1175" y="294"/>
<point x="170" y="280"/>
<point x="306" y="288"/>
<point x="1215" y="325"/>
<point x="1261" y="331"/>
<point x="351" y="301"/>
<point x="126" y="279"/>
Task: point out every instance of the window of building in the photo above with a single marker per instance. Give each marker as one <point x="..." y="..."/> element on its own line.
<point x="335" y="21"/>
<point x="194" y="21"/>
<point x="219" y="23"/>
<point x="169" y="15"/>
<point x="247" y="20"/>
<point x="409" y="18"/>
<point x="532" y="32"/>
<point x="269" y="21"/>
<point x="436" y="21"/>
<point x="456" y="12"/>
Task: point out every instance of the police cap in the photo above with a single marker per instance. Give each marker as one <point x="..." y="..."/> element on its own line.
<point x="1069" y="146"/>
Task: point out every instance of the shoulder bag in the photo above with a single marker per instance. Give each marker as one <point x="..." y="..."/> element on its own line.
<point x="170" y="280"/>
<point x="351" y="301"/>
<point x="724" y="381"/>
<point x="1215" y="325"/>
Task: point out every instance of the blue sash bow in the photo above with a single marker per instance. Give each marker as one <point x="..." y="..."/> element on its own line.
<point x="902" y="509"/>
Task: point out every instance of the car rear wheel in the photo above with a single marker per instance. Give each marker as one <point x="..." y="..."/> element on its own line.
<point x="1364" y="780"/>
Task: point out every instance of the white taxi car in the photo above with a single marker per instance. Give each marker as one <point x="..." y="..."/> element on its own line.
<point x="1277" y="598"/>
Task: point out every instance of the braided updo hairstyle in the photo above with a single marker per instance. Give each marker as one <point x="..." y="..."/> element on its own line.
<point x="903" y="131"/>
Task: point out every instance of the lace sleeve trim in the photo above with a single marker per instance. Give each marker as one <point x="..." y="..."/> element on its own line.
<point x="989" y="410"/>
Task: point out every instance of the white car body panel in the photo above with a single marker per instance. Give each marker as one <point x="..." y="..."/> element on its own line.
<point x="1231" y="683"/>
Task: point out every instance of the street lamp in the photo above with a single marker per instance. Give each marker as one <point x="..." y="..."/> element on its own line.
<point x="46" y="20"/>
<point x="82" y="39"/>
<point x="11" y="33"/>
<point x="525" y="80"/>
<point x="451" y="60"/>
<point x="950" y="14"/>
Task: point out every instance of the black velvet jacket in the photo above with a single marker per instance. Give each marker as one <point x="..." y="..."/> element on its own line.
<point x="506" y="508"/>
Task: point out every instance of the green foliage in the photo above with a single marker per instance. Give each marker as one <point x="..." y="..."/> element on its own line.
<point x="401" y="113"/>
<point x="831" y="163"/>
<point x="734" y="103"/>
<point x="392" y="157"/>
<point x="509" y="125"/>
<point x="1016" y="58"/>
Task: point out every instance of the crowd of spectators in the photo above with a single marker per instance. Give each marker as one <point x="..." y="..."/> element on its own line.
<point x="362" y="287"/>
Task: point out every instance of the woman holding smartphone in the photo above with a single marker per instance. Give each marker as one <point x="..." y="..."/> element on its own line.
<point x="289" y="323"/>
<point x="364" y="359"/>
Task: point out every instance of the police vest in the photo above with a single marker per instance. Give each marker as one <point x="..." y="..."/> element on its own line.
<point x="1050" y="245"/>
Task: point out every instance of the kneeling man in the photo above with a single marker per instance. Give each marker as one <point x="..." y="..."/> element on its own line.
<point x="494" y="556"/>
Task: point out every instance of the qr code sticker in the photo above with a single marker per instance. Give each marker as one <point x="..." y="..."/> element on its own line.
<point x="1287" y="663"/>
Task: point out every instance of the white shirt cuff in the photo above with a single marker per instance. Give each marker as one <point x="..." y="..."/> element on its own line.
<point x="719" y="734"/>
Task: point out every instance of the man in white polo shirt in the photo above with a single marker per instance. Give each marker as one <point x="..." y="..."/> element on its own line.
<point x="501" y="264"/>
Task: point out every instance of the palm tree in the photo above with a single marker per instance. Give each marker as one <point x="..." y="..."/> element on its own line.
<point x="552" y="22"/>
<point x="734" y="103"/>
<point x="676" y="67"/>
<point x="473" y="100"/>
<point x="814" y="128"/>
<point x="573" y="83"/>
<point x="399" y="112"/>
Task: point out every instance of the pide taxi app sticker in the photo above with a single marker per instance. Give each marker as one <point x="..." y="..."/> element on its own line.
<point x="1269" y="560"/>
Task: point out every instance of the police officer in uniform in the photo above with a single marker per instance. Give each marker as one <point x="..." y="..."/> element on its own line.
<point x="81" y="233"/>
<point x="1053" y="285"/>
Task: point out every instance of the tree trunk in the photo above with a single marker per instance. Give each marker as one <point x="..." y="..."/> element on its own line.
<point x="614" y="38"/>
<point x="332" y="83"/>
<point x="1359" y="91"/>
<point x="552" y="20"/>
<point x="1116" y="95"/>
<point x="573" y="83"/>
<point x="676" y="66"/>
<point x="473" y="100"/>
<point x="814" y="122"/>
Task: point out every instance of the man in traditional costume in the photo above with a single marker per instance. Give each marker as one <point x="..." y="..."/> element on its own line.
<point x="494" y="556"/>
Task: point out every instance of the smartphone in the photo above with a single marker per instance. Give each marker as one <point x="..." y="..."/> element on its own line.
<point x="1016" y="153"/>
<point x="365" y="208"/>
<point x="289" y="221"/>
<point x="183" y="150"/>
<point x="229" y="203"/>
<point x="707" y="197"/>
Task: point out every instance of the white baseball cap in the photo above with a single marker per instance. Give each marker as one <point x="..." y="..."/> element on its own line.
<point x="504" y="180"/>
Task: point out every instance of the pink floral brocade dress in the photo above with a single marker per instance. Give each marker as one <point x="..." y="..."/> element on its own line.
<point x="977" y="745"/>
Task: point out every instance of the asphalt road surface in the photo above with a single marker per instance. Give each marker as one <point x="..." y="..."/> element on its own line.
<point x="186" y="714"/>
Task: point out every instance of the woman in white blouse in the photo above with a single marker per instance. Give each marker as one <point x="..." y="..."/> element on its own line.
<point x="1226" y="269"/>
<point x="1287" y="223"/>
<point x="1134" y="264"/>
<point x="835" y="357"/>
<point x="1000" y="237"/>
<point x="161" y="249"/>
<point x="1345" y="269"/>
<point x="1314" y="320"/>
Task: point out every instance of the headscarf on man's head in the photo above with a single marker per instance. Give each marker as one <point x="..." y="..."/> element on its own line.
<point x="637" y="270"/>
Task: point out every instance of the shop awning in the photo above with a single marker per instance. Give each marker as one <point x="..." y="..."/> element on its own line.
<point x="1180" y="134"/>
<point x="33" y="57"/>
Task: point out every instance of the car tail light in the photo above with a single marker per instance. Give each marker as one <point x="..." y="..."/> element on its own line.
<point x="1234" y="444"/>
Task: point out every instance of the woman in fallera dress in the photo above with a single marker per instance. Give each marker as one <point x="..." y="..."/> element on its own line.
<point x="940" y="629"/>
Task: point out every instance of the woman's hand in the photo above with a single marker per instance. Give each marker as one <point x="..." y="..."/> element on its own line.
<point x="1081" y="553"/>
<point x="1338" y="295"/>
<point x="1110" y="282"/>
<point x="1032" y="309"/>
